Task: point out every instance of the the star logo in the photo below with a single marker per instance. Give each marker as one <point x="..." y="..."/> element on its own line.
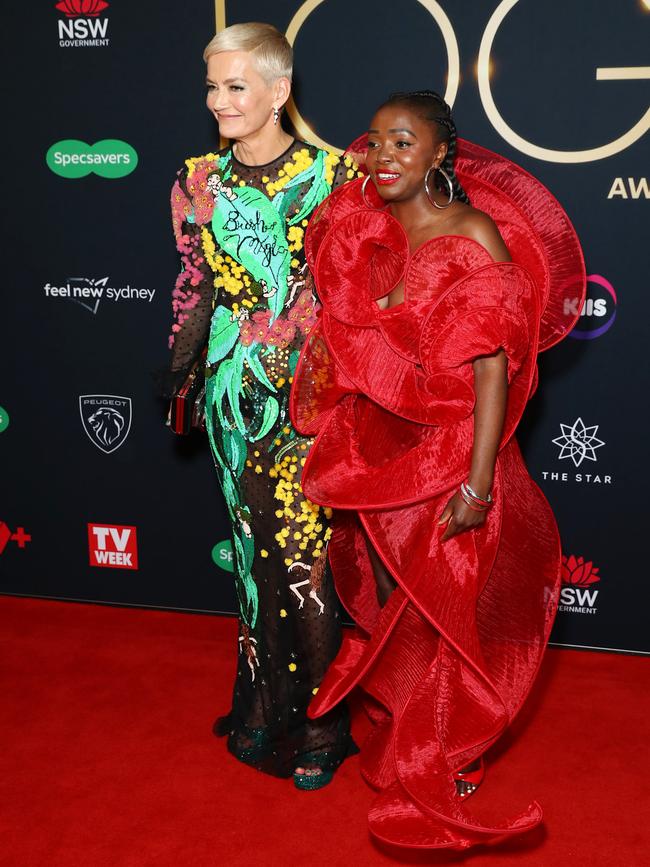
<point x="578" y="442"/>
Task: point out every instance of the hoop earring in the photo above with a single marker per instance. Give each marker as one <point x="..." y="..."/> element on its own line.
<point x="276" y="115"/>
<point x="428" y="191"/>
<point x="363" y="194"/>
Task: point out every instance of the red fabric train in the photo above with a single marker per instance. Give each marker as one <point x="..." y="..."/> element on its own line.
<point x="450" y="658"/>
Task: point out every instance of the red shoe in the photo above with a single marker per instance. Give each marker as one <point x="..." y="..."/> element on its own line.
<point x="469" y="779"/>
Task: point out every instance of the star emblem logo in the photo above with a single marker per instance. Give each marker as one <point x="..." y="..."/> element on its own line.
<point x="578" y="442"/>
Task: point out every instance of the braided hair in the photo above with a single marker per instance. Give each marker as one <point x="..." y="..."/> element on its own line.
<point x="430" y="106"/>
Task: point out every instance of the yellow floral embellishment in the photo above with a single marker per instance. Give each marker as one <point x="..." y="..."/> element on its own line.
<point x="331" y="162"/>
<point x="295" y="235"/>
<point x="292" y="666"/>
<point x="193" y="162"/>
<point x="283" y="612"/>
<point x="297" y="164"/>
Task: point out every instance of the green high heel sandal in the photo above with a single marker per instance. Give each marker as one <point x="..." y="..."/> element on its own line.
<point x="310" y="782"/>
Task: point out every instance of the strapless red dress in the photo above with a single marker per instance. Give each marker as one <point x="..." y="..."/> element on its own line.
<point x="448" y="661"/>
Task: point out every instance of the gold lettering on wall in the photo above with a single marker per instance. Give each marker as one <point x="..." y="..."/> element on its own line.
<point x="484" y="68"/>
<point x="541" y="153"/>
<point x="220" y="14"/>
<point x="453" y="60"/>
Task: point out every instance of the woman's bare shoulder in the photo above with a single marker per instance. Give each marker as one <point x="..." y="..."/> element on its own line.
<point x="480" y="227"/>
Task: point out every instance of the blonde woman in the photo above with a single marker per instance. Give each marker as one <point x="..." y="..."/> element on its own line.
<point x="246" y="294"/>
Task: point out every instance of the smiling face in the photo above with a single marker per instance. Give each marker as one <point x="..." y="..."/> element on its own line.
<point x="239" y="97"/>
<point x="401" y="148"/>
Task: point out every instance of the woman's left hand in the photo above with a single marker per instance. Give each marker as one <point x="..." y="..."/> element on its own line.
<point x="459" y="517"/>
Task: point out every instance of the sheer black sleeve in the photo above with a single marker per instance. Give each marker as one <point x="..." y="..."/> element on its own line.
<point x="194" y="290"/>
<point x="346" y="170"/>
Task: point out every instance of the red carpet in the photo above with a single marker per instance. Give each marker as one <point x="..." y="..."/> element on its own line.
<point x="108" y="760"/>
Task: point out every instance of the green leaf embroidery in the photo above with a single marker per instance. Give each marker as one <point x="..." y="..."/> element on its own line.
<point x="223" y="334"/>
<point x="235" y="386"/>
<point x="318" y="190"/>
<point x="256" y="366"/>
<point x="248" y="228"/>
<point x="248" y="591"/>
<point x="235" y="450"/>
<point x="271" y="412"/>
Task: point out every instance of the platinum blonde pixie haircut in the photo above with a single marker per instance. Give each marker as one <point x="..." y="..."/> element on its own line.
<point x="272" y="53"/>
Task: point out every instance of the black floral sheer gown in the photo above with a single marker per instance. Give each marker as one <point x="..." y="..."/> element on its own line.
<point x="245" y="293"/>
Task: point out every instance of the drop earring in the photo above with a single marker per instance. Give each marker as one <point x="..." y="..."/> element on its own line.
<point x="276" y="115"/>
<point x="430" y="195"/>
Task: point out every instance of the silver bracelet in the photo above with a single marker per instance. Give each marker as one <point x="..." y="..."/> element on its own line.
<point x="475" y="496"/>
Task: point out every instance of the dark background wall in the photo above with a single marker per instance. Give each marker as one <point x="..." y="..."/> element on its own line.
<point x="583" y="133"/>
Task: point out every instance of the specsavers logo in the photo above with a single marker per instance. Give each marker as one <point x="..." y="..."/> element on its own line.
<point x="109" y="158"/>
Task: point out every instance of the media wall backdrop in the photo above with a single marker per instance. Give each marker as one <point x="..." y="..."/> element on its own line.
<point x="103" y="102"/>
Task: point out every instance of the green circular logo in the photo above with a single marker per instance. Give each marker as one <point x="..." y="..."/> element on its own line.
<point x="222" y="555"/>
<point x="4" y="419"/>
<point x="109" y="158"/>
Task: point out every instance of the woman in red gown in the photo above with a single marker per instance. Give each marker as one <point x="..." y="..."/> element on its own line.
<point x="444" y="550"/>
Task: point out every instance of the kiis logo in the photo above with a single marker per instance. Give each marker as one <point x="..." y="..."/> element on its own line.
<point x="81" y="27"/>
<point x="598" y="310"/>
<point x="578" y="596"/>
<point x="106" y="418"/>
<point x="109" y="158"/>
<point x="4" y="419"/>
<point x="89" y="291"/>
<point x="20" y="537"/>
<point x="113" y="546"/>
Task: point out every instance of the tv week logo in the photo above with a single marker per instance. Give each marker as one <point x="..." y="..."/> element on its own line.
<point x="113" y="546"/>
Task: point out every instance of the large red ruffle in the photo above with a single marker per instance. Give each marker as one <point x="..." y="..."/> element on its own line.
<point x="449" y="660"/>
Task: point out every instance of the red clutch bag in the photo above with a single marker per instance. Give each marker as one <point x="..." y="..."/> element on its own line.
<point x="187" y="408"/>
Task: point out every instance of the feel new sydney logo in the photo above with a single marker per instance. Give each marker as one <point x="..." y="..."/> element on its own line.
<point x="108" y="158"/>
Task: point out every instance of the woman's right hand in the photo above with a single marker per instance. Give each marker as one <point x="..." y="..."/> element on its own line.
<point x="459" y="517"/>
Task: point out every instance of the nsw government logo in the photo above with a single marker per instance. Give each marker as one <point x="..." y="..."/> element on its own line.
<point x="82" y="26"/>
<point x="578" y="595"/>
<point x="106" y="418"/>
<point x="113" y="546"/>
<point x="578" y="444"/>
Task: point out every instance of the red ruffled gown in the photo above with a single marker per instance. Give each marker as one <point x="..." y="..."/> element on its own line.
<point x="448" y="661"/>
